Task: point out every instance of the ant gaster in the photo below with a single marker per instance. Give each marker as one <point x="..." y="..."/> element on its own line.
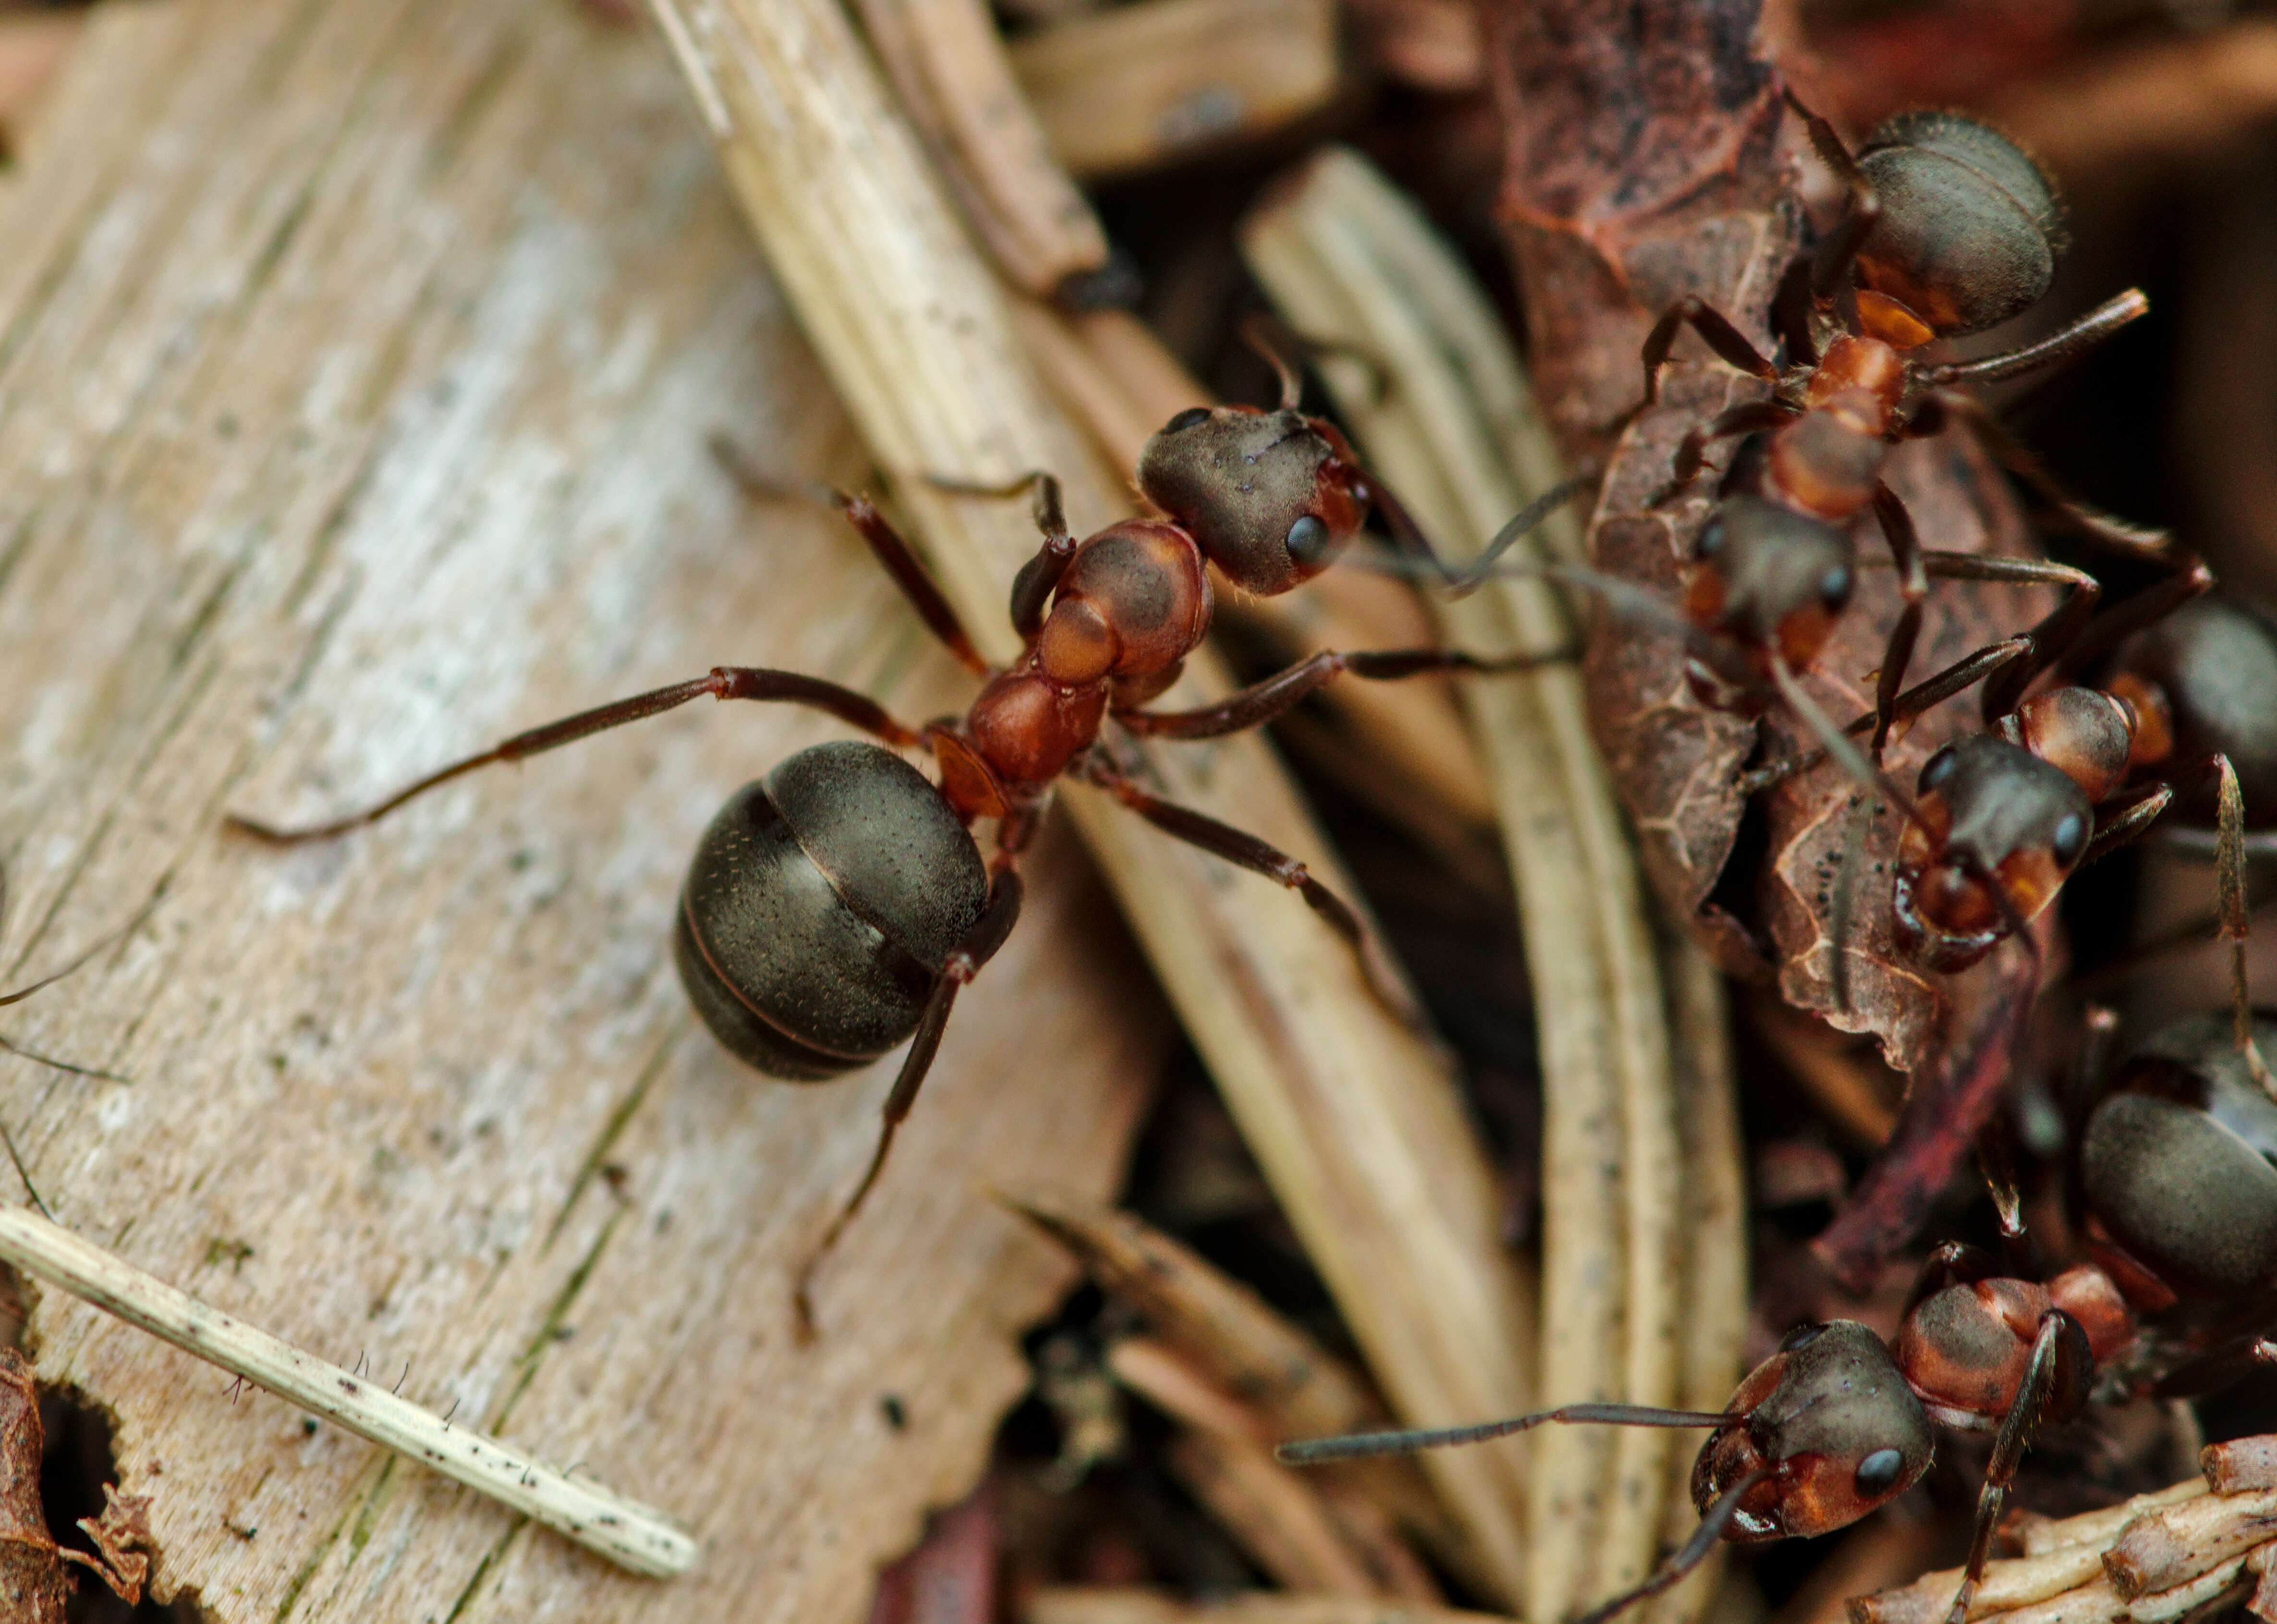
<point x="835" y="908"/>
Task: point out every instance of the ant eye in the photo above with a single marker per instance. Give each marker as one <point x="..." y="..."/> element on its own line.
<point x="1937" y="768"/>
<point x="1801" y="1336"/>
<point x="2070" y="839"/>
<point x="1308" y="542"/>
<point x="1879" y="1472"/>
<point x="1834" y="586"/>
<point x="1187" y="419"/>
<point x="1711" y="539"/>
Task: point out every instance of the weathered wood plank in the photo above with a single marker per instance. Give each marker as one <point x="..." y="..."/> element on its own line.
<point x="355" y="361"/>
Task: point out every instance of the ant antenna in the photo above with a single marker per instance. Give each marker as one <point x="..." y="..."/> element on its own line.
<point x="1521" y="524"/>
<point x="1312" y="1452"/>
<point x="1713" y="1523"/>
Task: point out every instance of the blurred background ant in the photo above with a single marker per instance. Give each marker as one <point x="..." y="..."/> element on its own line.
<point x="833" y="908"/>
<point x="2176" y="1183"/>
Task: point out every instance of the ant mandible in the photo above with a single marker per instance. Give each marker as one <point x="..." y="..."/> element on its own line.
<point x="835" y="908"/>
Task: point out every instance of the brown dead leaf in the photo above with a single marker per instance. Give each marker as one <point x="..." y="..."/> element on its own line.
<point x="1646" y="163"/>
<point x="122" y="1543"/>
<point x="33" y="1583"/>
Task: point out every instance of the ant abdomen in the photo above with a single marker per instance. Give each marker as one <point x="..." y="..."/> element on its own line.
<point x="2178" y="1162"/>
<point x="1970" y="227"/>
<point x="2213" y="666"/>
<point x="823" y="902"/>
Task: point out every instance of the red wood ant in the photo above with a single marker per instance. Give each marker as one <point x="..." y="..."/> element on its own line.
<point x="1949" y="229"/>
<point x="2177" y="1168"/>
<point x="835" y="908"/>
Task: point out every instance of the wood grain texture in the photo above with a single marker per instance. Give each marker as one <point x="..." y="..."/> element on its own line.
<point x="356" y="362"/>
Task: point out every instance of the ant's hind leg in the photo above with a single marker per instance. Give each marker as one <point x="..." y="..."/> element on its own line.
<point x="723" y="683"/>
<point x="979" y="946"/>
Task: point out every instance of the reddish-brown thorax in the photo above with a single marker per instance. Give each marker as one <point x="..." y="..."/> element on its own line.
<point x="1964" y="1349"/>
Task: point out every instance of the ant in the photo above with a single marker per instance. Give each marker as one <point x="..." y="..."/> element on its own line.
<point x="2025" y="804"/>
<point x="1949" y="229"/>
<point x="2178" y="1175"/>
<point x="835" y="909"/>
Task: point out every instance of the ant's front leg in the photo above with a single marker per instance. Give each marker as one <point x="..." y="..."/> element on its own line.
<point x="1259" y="703"/>
<point x="1039" y="577"/>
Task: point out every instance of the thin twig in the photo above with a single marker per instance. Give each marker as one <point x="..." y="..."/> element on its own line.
<point x="628" y="1534"/>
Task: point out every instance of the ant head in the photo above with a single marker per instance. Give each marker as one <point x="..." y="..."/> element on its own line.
<point x="1271" y="498"/>
<point x="1988" y="812"/>
<point x="1969" y="233"/>
<point x="1830" y="1411"/>
<point x="1765" y="574"/>
<point x="2178" y="1161"/>
<point x="2207" y="670"/>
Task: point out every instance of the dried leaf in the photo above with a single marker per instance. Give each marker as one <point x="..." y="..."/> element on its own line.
<point x="33" y="1583"/>
<point x="1645" y="165"/>
<point x="122" y="1541"/>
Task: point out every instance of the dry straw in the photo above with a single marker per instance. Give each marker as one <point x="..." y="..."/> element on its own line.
<point x="1443" y="413"/>
<point x="630" y="1535"/>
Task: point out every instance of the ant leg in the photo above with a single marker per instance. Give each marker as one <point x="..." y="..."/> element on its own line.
<point x="2060" y="346"/>
<point x="1713" y="1524"/>
<point x="1715" y="329"/>
<point x="2229" y="871"/>
<point x="2136" y="540"/>
<point x="979" y="946"/>
<point x="1039" y="577"/>
<point x="1691" y="456"/>
<point x="85" y="956"/>
<point x="1912" y="589"/>
<point x="2152" y="604"/>
<point x="2054" y="1374"/>
<point x="1357" y="1445"/>
<point x="1262" y="702"/>
<point x="1923" y="696"/>
<point x="1247" y="850"/>
<point x="899" y="560"/>
<point x="2046" y="642"/>
<point x="1832" y="261"/>
<point x="2128" y="826"/>
<point x="723" y="683"/>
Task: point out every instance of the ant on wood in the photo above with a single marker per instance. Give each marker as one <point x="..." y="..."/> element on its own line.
<point x="2177" y="1169"/>
<point x="835" y="908"/>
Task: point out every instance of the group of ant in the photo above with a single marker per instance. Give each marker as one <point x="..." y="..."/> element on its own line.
<point x="835" y="908"/>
